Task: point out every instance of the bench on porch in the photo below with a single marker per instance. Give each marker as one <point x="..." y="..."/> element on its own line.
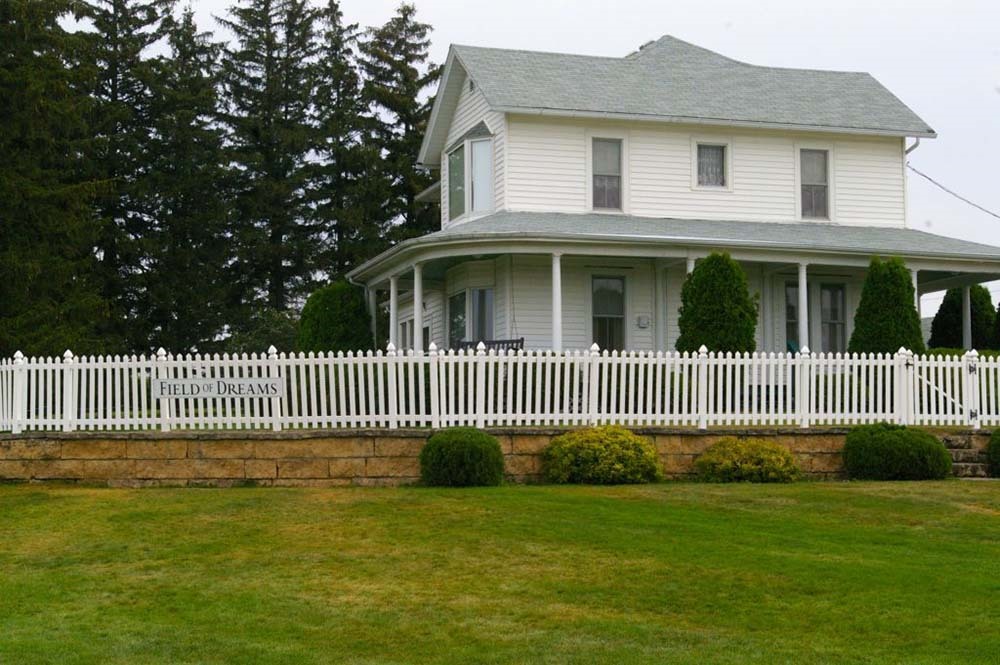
<point x="495" y="344"/>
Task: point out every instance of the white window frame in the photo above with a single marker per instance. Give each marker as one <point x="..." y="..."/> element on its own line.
<point x="614" y="135"/>
<point x="831" y="176"/>
<point x="468" y="311"/>
<point x="612" y="272"/>
<point x="469" y="213"/>
<point x="724" y="141"/>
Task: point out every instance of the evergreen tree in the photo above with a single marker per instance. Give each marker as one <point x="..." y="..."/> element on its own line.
<point x="394" y="60"/>
<point x="886" y="318"/>
<point x="184" y="249"/>
<point x="946" y="328"/>
<point x="348" y="202"/>
<point x="269" y="87"/>
<point x="122" y="32"/>
<point x="49" y="292"/>
<point x="717" y="310"/>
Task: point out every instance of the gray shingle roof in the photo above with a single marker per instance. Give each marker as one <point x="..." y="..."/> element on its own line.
<point x="674" y="80"/>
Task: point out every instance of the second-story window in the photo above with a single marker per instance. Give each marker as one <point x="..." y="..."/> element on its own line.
<point x="456" y="182"/>
<point x="815" y="176"/>
<point x="711" y="165"/>
<point x="481" y="175"/>
<point x="470" y="178"/>
<point x="607" y="170"/>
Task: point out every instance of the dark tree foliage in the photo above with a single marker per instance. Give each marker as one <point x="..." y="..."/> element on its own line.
<point x="946" y="328"/>
<point x="49" y="290"/>
<point x="717" y="310"/>
<point x="182" y="290"/>
<point x="262" y="328"/>
<point x="269" y="87"/>
<point x="886" y="318"/>
<point x="335" y="318"/>
<point x="394" y="61"/>
<point x="122" y="32"/>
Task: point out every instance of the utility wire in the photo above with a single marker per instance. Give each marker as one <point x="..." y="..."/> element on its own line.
<point x="955" y="194"/>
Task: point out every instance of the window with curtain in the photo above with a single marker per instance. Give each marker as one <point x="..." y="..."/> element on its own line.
<point x="814" y="174"/>
<point x="456" y="183"/>
<point x="456" y="319"/>
<point x="481" y="314"/>
<point x="481" y="179"/>
<point x="711" y="165"/>
<point x="607" y="174"/>
<point x="609" y="312"/>
<point x="832" y="317"/>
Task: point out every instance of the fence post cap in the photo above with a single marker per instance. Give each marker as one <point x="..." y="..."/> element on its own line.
<point x="702" y="349"/>
<point x="594" y="348"/>
<point x="161" y="353"/>
<point x="432" y="348"/>
<point x="68" y="356"/>
<point x="390" y="349"/>
<point x="972" y="353"/>
<point x="804" y="351"/>
<point x="18" y="357"/>
<point x="480" y="349"/>
<point x="272" y="352"/>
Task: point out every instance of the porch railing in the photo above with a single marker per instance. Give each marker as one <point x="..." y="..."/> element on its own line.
<point x="494" y="388"/>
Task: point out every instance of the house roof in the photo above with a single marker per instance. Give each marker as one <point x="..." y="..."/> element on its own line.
<point x="672" y="80"/>
<point x="801" y="236"/>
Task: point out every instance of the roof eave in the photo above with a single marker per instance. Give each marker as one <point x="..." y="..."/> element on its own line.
<point x="425" y="156"/>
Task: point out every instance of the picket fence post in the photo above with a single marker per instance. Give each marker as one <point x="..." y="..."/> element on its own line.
<point x="970" y="395"/>
<point x="390" y="363"/>
<point x="480" y="385"/>
<point x="274" y="372"/>
<point x="903" y="380"/>
<point x="20" y="407"/>
<point x="69" y="392"/>
<point x="593" y="396"/>
<point x="435" y="397"/>
<point x="164" y="402"/>
<point x="805" y="387"/>
<point x="703" y="387"/>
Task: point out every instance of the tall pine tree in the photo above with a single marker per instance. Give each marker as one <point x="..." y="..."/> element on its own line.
<point x="269" y="87"/>
<point x="184" y="249"/>
<point x="49" y="292"/>
<point x="394" y="60"/>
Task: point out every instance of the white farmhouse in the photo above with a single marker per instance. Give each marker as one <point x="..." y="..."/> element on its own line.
<point x="576" y="192"/>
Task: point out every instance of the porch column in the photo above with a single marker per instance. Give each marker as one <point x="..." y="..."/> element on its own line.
<point x="916" y="292"/>
<point x="556" y="302"/>
<point x="803" y="308"/>
<point x="660" y="306"/>
<point x="690" y="265"/>
<point x="394" y="311"/>
<point x="418" y="308"/>
<point x="370" y="302"/>
<point x="967" y="317"/>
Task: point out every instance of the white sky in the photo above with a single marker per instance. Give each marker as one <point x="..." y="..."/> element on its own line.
<point x="941" y="58"/>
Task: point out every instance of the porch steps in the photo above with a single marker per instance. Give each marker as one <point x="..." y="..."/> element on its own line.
<point x="967" y="461"/>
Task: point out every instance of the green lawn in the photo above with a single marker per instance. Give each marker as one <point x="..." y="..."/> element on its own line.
<point x="807" y="573"/>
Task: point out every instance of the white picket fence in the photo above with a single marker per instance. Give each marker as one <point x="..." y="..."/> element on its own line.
<point x="523" y="388"/>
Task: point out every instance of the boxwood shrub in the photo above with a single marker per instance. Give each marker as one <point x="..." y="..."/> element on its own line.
<point x="461" y="457"/>
<point x="607" y="455"/>
<point x="993" y="454"/>
<point x="884" y="451"/>
<point x="747" y="460"/>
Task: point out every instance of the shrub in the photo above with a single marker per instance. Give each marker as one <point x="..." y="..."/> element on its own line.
<point x="335" y="318"/>
<point x="461" y="457"/>
<point x="607" y="455"/>
<point x="993" y="454"/>
<point x="747" y="460"/>
<point x="946" y="328"/>
<point x="886" y="318"/>
<point x="884" y="451"/>
<point x="717" y="309"/>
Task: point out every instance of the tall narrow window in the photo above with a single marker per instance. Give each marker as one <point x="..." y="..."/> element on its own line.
<point x="832" y="317"/>
<point x="481" y="314"/>
<point x="792" y="318"/>
<point x="482" y="175"/>
<point x="609" y="312"/>
<point x="456" y="319"/>
<point x="711" y="165"/>
<point x="815" y="176"/>
<point x="607" y="169"/>
<point x="456" y="183"/>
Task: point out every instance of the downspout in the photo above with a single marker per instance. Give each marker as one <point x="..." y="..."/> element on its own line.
<point x="906" y="194"/>
<point x="916" y="144"/>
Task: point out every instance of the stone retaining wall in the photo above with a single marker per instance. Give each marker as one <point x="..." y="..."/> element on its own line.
<point x="334" y="458"/>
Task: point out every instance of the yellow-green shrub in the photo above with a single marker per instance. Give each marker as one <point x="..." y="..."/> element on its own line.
<point x="747" y="460"/>
<point x="607" y="455"/>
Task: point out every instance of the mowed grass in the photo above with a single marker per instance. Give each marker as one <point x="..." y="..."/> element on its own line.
<point x="806" y="573"/>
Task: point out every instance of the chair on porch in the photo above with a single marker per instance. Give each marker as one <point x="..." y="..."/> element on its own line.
<point x="495" y="344"/>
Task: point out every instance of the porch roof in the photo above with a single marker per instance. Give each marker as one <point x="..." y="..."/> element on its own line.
<point x="616" y="228"/>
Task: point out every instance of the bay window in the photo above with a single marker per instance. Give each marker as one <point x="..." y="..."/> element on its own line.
<point x="470" y="178"/>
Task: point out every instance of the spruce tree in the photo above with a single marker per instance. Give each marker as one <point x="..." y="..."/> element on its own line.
<point x="269" y="87"/>
<point x="886" y="318"/>
<point x="717" y="310"/>
<point x="946" y="328"/>
<point x="182" y="302"/>
<point x="49" y="293"/>
<point x="394" y="60"/>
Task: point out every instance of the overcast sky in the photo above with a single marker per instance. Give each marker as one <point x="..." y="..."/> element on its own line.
<point x="941" y="58"/>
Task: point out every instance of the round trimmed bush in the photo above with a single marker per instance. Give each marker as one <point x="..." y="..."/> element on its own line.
<point x="335" y="318"/>
<point x="993" y="454"/>
<point x="607" y="455"/>
<point x="732" y="460"/>
<point x="461" y="457"/>
<point x="884" y="451"/>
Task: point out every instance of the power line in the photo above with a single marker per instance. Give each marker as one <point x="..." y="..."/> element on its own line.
<point x="955" y="194"/>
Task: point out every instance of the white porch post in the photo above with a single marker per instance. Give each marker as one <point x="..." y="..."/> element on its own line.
<point x="418" y="308"/>
<point x="370" y="296"/>
<point x="556" y="302"/>
<point x="803" y="307"/>
<point x="660" y="306"/>
<point x="967" y="317"/>
<point x="916" y="292"/>
<point x="394" y="311"/>
<point x="690" y="265"/>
